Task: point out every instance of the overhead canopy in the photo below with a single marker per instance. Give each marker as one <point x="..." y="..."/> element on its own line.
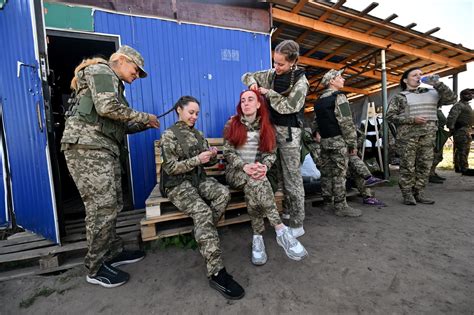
<point x="332" y="36"/>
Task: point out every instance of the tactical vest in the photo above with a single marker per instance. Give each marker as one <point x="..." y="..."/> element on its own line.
<point x="325" y="117"/>
<point x="287" y="120"/>
<point x="196" y="175"/>
<point x="84" y="110"/>
<point x="464" y="118"/>
<point x="422" y="104"/>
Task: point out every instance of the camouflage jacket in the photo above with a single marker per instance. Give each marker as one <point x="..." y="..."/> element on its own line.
<point x="460" y="116"/>
<point x="235" y="162"/>
<point x="107" y="93"/>
<point x="346" y="124"/>
<point x="175" y="161"/>
<point x="290" y="104"/>
<point x="406" y="127"/>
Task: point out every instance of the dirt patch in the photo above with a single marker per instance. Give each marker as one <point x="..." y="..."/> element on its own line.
<point x="394" y="260"/>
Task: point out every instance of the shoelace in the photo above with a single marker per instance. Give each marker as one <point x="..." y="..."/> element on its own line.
<point x="258" y="244"/>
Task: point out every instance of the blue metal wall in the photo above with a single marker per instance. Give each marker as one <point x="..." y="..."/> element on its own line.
<point x="183" y="59"/>
<point x="22" y="101"/>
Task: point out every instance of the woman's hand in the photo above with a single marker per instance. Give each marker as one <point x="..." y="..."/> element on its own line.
<point x="213" y="150"/>
<point x="353" y="152"/>
<point x="317" y="137"/>
<point x="153" y="121"/>
<point x="261" y="171"/>
<point x="419" y="120"/>
<point x="262" y="90"/>
<point x="205" y="156"/>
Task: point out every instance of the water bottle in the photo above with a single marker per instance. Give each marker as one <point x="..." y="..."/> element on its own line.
<point x="430" y="79"/>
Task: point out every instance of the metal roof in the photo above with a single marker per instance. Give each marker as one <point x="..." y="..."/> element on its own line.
<point x="333" y="36"/>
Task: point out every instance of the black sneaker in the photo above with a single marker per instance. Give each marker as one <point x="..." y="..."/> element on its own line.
<point x="127" y="257"/>
<point x="108" y="277"/>
<point x="227" y="286"/>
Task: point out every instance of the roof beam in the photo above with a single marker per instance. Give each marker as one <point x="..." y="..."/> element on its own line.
<point x="326" y="14"/>
<point x="331" y="65"/>
<point x="388" y="27"/>
<point x="337" y="31"/>
<point x="296" y="9"/>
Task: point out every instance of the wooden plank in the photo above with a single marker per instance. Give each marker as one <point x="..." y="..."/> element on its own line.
<point x="25" y="246"/>
<point x="21" y="240"/>
<point x="36" y="253"/>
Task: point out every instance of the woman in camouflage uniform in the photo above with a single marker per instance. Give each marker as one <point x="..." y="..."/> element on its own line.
<point x="414" y="112"/>
<point x="185" y="152"/>
<point x="249" y="149"/>
<point x="285" y="87"/>
<point x="92" y="142"/>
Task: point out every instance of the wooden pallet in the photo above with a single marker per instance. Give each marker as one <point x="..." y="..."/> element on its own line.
<point x="163" y="219"/>
<point x="173" y="222"/>
<point x="44" y="256"/>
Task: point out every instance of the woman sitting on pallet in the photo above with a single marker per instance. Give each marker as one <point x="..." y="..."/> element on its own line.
<point x="249" y="148"/>
<point x="185" y="152"/>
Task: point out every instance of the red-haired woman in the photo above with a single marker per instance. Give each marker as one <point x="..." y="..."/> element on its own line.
<point x="249" y="148"/>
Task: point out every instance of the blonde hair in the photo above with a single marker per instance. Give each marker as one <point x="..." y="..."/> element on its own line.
<point x="82" y="65"/>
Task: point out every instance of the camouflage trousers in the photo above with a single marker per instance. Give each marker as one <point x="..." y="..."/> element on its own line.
<point x="334" y="162"/>
<point x="416" y="158"/>
<point x="97" y="175"/>
<point x="289" y="155"/>
<point x="462" y="146"/>
<point x="358" y="171"/>
<point x="192" y="201"/>
<point x="259" y="198"/>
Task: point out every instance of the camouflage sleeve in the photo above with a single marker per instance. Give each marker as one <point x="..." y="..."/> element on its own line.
<point x="268" y="158"/>
<point x="453" y="116"/>
<point x="230" y="153"/>
<point x="293" y="102"/>
<point x="446" y="95"/>
<point x="171" y="163"/>
<point x="136" y="127"/>
<point x="396" y="111"/>
<point x="261" y="78"/>
<point x="103" y="84"/>
<point x="344" y="118"/>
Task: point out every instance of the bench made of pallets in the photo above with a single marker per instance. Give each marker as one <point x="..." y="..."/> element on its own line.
<point x="163" y="219"/>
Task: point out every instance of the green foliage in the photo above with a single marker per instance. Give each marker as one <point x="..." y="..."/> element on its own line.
<point x="184" y="241"/>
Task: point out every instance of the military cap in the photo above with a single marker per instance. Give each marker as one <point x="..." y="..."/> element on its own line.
<point x="331" y="74"/>
<point x="135" y="56"/>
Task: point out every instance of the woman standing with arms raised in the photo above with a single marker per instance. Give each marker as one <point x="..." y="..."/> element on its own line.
<point x="285" y="87"/>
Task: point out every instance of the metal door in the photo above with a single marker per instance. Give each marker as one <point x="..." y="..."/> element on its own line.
<point x="23" y="76"/>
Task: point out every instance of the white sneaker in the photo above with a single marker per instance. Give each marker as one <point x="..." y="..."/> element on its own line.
<point x="297" y="232"/>
<point x="259" y="256"/>
<point x="293" y="248"/>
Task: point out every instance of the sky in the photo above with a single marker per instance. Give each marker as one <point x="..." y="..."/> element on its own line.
<point x="454" y="17"/>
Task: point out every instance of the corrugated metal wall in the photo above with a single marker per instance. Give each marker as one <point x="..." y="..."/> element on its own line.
<point x="183" y="59"/>
<point x="23" y="113"/>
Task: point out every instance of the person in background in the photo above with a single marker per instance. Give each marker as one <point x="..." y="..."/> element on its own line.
<point x="441" y="137"/>
<point x="285" y="87"/>
<point x="249" y="150"/>
<point x="413" y="111"/>
<point x="92" y="143"/>
<point x="185" y="152"/>
<point x="459" y="123"/>
<point x="335" y="130"/>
